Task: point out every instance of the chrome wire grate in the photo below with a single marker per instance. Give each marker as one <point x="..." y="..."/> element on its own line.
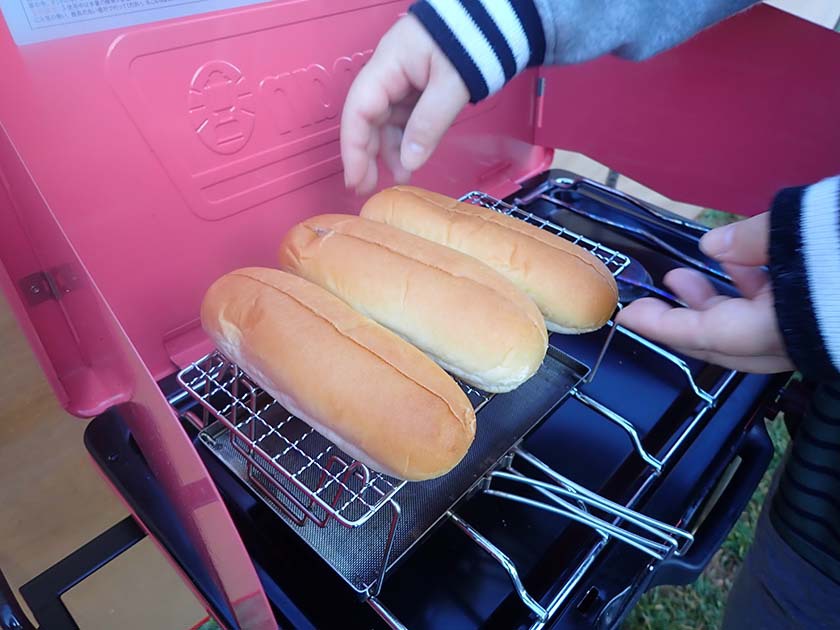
<point x="293" y="466"/>
<point x="615" y="261"/>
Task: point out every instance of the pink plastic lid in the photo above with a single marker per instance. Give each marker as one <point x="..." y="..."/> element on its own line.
<point x="153" y="159"/>
<point x="156" y="160"/>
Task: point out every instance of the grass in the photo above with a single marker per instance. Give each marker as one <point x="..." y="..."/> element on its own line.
<point x="715" y="218"/>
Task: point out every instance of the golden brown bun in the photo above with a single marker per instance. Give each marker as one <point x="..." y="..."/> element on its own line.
<point x="574" y="290"/>
<point x="377" y="397"/>
<point x="456" y="309"/>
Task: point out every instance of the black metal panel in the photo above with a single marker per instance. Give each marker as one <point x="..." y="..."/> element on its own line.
<point x="43" y="593"/>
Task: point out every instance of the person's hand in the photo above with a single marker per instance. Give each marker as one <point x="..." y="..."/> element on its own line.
<point x="738" y="333"/>
<point x="400" y="104"/>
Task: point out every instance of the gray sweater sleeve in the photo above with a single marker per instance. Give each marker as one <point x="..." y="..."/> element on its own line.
<point x="491" y="41"/>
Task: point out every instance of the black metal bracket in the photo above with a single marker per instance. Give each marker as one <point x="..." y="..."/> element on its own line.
<point x="43" y="593"/>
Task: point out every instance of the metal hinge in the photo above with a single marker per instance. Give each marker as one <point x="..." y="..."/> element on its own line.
<point x="49" y="285"/>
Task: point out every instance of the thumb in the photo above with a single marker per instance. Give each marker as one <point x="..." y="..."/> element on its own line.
<point x="744" y="243"/>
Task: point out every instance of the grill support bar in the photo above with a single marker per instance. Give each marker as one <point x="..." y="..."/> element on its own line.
<point x="499" y="556"/>
<point x="621" y="421"/>
<point x="591" y="498"/>
<point x="389" y="543"/>
<point x="387" y="616"/>
<point x="573" y="501"/>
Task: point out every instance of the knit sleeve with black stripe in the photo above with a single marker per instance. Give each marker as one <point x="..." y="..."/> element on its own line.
<point x="491" y="41"/>
<point x="805" y="268"/>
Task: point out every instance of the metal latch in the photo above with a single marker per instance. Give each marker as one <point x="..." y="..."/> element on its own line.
<point x="49" y="285"/>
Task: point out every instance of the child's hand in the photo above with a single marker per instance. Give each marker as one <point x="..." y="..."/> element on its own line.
<point x="738" y="333"/>
<point x="400" y="105"/>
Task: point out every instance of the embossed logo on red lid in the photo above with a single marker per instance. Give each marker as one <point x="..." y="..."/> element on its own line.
<point x="221" y="107"/>
<point x="311" y="95"/>
<point x="243" y="107"/>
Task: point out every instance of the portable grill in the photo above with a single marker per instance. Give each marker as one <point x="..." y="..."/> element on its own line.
<point x="187" y="141"/>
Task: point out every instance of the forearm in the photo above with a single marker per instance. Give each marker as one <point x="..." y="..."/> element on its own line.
<point x="805" y="267"/>
<point x="490" y="41"/>
<point x="579" y="30"/>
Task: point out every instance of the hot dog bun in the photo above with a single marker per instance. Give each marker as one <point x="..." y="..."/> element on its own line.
<point x="574" y="290"/>
<point x="459" y="311"/>
<point x="377" y="397"/>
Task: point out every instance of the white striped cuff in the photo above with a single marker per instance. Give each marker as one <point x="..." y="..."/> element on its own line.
<point x="821" y="249"/>
<point x="488" y="41"/>
<point x="805" y="268"/>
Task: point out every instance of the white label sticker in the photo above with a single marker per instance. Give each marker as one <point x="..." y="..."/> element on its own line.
<point x="32" y="21"/>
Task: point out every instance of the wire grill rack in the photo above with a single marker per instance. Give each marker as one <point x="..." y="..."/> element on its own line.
<point x="615" y="261"/>
<point x="293" y="466"/>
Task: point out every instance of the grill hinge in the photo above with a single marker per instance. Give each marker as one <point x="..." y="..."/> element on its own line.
<point x="49" y="285"/>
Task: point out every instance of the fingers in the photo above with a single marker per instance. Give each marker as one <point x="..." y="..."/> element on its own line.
<point x="744" y="243"/>
<point x="732" y="332"/>
<point x="407" y="62"/>
<point x="392" y="135"/>
<point x="732" y="326"/>
<point x="751" y="281"/>
<point x="371" y="174"/>
<point x="694" y="334"/>
<point x="391" y="141"/>
<point x="675" y="327"/>
<point x="366" y="107"/>
<point x="737" y="333"/>
<point x="693" y="288"/>
<point x="439" y="104"/>
<point x="373" y="100"/>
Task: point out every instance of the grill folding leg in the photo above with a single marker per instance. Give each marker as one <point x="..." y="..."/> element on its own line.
<point x="502" y="559"/>
<point x="565" y="498"/>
